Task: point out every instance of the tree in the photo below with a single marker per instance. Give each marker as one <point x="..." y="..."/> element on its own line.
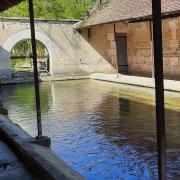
<point x="54" y="9"/>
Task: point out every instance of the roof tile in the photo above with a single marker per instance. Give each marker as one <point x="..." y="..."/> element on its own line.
<point x="118" y="10"/>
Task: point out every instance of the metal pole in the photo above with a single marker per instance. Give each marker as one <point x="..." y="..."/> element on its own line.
<point x="159" y="86"/>
<point x="36" y="76"/>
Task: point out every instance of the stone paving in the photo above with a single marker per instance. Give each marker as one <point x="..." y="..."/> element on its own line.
<point x="10" y="166"/>
<point x="39" y="158"/>
<point x="169" y="85"/>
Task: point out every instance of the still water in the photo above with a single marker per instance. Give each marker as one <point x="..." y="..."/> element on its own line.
<point x="96" y="129"/>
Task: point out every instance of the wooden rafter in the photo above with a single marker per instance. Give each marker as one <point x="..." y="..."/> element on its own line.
<point x="6" y="4"/>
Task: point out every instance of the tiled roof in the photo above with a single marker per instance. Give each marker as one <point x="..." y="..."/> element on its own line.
<point x="6" y="4"/>
<point x="118" y="10"/>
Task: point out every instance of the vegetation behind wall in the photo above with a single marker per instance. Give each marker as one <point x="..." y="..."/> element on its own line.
<point x="53" y="9"/>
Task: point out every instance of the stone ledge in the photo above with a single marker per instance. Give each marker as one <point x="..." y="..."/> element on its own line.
<point x="169" y="85"/>
<point x="39" y="160"/>
<point x="64" y="77"/>
<point x="38" y="20"/>
<point x="44" y="79"/>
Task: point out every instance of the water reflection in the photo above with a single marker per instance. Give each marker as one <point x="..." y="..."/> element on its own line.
<point x="96" y="130"/>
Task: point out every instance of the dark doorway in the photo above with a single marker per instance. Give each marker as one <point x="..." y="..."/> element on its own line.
<point x="122" y="61"/>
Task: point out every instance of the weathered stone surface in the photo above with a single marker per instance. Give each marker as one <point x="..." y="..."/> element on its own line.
<point x="140" y="48"/>
<point x="69" y="52"/>
<point x="110" y="36"/>
<point x="113" y="44"/>
<point x="42" y="140"/>
<point x="137" y="81"/>
<point x="10" y="166"/>
<point x="39" y="159"/>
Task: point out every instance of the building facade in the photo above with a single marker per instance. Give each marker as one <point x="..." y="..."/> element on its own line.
<point x="127" y="43"/>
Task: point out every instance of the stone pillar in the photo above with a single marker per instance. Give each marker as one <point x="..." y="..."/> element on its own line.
<point x="5" y="68"/>
<point x="2" y="109"/>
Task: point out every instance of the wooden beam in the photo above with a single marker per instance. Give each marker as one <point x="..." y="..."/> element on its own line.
<point x="159" y="88"/>
<point x="36" y="76"/>
<point x="6" y="4"/>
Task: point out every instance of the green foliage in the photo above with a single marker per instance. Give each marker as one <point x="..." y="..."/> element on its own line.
<point x="53" y="9"/>
<point x="16" y="62"/>
<point x="23" y="48"/>
<point x="26" y="96"/>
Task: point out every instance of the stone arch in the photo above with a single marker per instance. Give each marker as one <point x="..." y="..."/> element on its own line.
<point x="22" y="35"/>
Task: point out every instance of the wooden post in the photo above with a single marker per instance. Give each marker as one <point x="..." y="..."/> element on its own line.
<point x="2" y="109"/>
<point x="159" y="88"/>
<point x="36" y="76"/>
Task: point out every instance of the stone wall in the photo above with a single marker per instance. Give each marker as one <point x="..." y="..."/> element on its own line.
<point x="140" y="49"/>
<point x="171" y="43"/>
<point x="70" y="54"/>
<point x="102" y="39"/>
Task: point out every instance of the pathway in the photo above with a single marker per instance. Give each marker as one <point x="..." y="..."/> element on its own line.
<point x="10" y="166"/>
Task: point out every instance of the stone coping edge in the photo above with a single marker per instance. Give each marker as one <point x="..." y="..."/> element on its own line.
<point x="169" y="85"/>
<point x="39" y="20"/>
<point x="44" y="79"/>
<point x="40" y="160"/>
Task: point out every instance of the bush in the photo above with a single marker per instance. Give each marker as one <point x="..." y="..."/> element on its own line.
<point x="52" y="9"/>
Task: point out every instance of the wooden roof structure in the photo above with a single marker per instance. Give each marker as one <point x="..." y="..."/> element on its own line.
<point x="6" y="4"/>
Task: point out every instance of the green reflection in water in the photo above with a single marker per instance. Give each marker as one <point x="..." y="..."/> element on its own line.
<point x="103" y="130"/>
<point x="26" y="96"/>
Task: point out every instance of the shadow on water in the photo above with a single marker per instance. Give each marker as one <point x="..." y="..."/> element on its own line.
<point x="101" y="135"/>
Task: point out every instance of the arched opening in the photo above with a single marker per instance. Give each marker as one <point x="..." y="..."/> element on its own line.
<point x="21" y="59"/>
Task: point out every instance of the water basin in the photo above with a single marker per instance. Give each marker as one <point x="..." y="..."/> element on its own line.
<point x="100" y="129"/>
